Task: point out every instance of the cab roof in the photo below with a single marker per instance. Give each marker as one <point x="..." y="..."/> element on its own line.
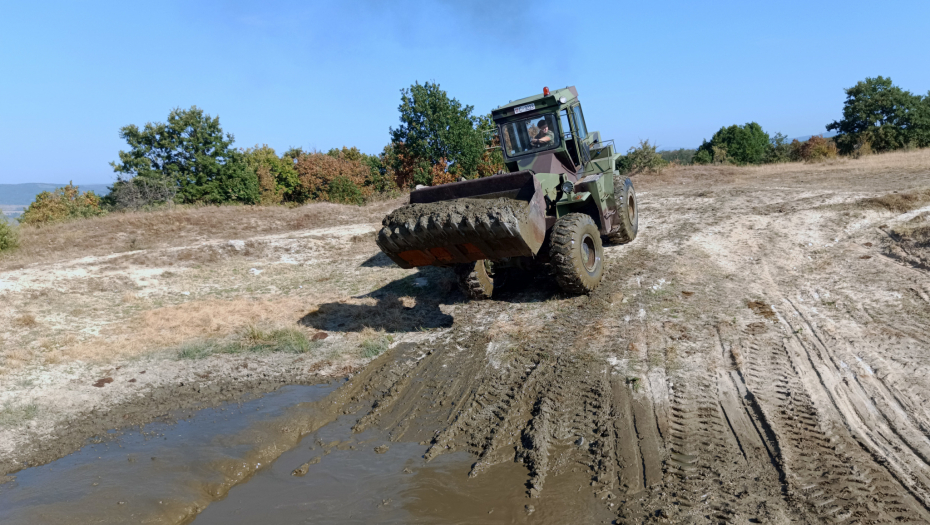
<point x="539" y="101"/>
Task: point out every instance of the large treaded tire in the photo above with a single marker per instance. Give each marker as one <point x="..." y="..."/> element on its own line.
<point x="576" y="253"/>
<point x="625" y="197"/>
<point x="474" y="280"/>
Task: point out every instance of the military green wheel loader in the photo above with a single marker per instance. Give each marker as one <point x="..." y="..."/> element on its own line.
<point x="559" y="197"/>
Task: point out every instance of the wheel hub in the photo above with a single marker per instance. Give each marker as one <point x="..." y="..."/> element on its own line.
<point x="589" y="257"/>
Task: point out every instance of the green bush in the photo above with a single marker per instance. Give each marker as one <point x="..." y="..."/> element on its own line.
<point x="64" y="204"/>
<point x="641" y="159"/>
<point x="746" y="144"/>
<point x="277" y="178"/>
<point x="814" y="149"/>
<point x="9" y="237"/>
<point x="344" y="191"/>
<point x="138" y="193"/>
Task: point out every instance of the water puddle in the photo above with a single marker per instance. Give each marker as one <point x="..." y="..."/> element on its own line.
<point x="288" y="457"/>
<point x="162" y="472"/>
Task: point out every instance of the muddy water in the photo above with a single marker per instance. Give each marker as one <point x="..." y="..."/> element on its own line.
<point x="164" y="472"/>
<point x="210" y="468"/>
<point x="347" y="480"/>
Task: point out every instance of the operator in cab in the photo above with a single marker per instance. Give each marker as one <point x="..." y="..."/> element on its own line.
<point x="544" y="137"/>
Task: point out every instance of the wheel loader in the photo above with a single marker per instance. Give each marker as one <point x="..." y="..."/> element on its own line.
<point x="558" y="200"/>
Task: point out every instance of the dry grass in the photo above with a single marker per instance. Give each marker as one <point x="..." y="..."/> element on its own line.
<point x="899" y="202"/>
<point x="374" y="342"/>
<point x="180" y="226"/>
<point x="171" y="326"/>
<point x="915" y="232"/>
<point x="875" y="172"/>
<point x="26" y="321"/>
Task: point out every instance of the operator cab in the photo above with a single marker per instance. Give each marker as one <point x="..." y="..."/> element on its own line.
<point x="544" y="131"/>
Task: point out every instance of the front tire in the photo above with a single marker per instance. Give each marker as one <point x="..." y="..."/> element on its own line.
<point x="627" y="213"/>
<point x="475" y="280"/>
<point x="576" y="253"/>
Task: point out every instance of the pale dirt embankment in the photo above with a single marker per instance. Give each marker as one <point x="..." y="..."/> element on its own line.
<point x="759" y="353"/>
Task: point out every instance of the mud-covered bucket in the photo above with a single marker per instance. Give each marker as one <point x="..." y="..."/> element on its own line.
<point x="492" y="218"/>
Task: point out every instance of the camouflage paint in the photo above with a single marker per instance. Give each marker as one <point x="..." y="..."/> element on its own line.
<point x="532" y="187"/>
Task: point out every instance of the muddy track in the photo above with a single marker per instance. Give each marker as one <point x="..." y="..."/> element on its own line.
<point x="794" y="409"/>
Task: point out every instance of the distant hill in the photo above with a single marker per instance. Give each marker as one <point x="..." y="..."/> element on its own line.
<point x="24" y="194"/>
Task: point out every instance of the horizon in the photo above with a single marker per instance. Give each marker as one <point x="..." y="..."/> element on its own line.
<point x="323" y="76"/>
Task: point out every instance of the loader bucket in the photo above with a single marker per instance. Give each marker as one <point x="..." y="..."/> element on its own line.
<point x="463" y="222"/>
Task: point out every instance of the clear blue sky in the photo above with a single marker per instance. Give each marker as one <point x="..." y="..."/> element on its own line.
<point x="328" y="74"/>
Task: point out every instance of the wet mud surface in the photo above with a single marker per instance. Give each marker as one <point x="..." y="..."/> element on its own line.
<point x="164" y="472"/>
<point x="741" y="362"/>
<point x="96" y="424"/>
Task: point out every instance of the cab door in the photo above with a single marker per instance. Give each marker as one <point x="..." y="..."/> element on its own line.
<point x="574" y="132"/>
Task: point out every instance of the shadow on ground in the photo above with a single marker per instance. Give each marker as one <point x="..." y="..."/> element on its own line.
<point x="405" y="305"/>
<point x="378" y="260"/>
<point x="413" y="303"/>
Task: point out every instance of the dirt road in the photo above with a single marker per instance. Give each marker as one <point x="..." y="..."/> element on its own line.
<point x="759" y="353"/>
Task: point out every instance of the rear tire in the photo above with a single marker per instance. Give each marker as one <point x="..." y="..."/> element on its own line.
<point x="577" y="255"/>
<point x="475" y="281"/>
<point x="627" y="213"/>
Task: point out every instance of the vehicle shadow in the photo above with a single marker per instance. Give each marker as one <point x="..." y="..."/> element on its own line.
<point x="378" y="260"/>
<point x="414" y="302"/>
<point x="405" y="305"/>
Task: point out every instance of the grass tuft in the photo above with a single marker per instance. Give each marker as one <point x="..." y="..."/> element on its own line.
<point x="252" y="340"/>
<point x="12" y="416"/>
<point x="374" y="343"/>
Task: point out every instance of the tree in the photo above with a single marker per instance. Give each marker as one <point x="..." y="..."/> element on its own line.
<point x="277" y="178"/>
<point x="881" y="115"/>
<point x="434" y="130"/>
<point x="779" y="149"/>
<point x="746" y="144"/>
<point x="682" y="156"/>
<point x="919" y="123"/>
<point x="192" y="151"/>
<point x="492" y="159"/>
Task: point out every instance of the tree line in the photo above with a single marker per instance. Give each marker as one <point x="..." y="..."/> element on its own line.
<point x="877" y="117"/>
<point x="189" y="159"/>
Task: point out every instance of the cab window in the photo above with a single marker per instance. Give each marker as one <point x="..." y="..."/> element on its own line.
<point x="580" y="128"/>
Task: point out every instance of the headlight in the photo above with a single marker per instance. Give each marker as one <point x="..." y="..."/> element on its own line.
<point x="568" y="187"/>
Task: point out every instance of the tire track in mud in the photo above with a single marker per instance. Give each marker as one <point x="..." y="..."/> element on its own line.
<point x="829" y="471"/>
<point x="868" y="411"/>
<point x="720" y="465"/>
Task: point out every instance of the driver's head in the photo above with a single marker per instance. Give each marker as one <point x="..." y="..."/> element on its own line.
<point x="542" y="124"/>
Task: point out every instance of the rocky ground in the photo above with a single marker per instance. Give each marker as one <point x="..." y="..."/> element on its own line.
<point x="759" y="353"/>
